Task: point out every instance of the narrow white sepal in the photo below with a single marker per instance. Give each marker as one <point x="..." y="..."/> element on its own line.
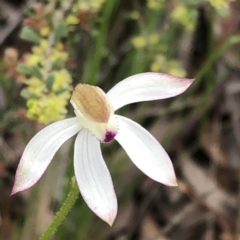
<point x="145" y="151"/>
<point x="93" y="177"/>
<point x="40" y="151"/>
<point x="146" y="87"/>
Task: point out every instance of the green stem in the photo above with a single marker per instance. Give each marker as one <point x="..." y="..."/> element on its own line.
<point x="61" y="214"/>
<point x="213" y="58"/>
<point x="93" y="64"/>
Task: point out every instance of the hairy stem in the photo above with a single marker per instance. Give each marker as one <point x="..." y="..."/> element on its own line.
<point x="62" y="213"/>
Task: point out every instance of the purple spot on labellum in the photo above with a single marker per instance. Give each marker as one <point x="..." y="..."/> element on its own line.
<point x="109" y="136"/>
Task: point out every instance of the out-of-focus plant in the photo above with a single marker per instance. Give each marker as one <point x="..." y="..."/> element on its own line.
<point x="159" y="62"/>
<point x="157" y="45"/>
<point x="9" y="61"/>
<point x="221" y="6"/>
<point x="155" y="4"/>
<point x="86" y="10"/>
<point x="184" y="15"/>
<point x="172" y="66"/>
<point x="10" y="79"/>
<point x="143" y="41"/>
<point x="47" y="80"/>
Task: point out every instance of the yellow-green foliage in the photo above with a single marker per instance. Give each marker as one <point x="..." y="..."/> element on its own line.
<point x="172" y="66"/>
<point x="220" y="4"/>
<point x="185" y="16"/>
<point x="47" y="106"/>
<point x="155" y="4"/>
<point x="90" y="5"/>
<point x="143" y="41"/>
<point x="48" y="82"/>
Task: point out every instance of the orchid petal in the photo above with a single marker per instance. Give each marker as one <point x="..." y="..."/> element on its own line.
<point x="40" y="151"/>
<point x="93" y="177"/>
<point x="146" y="87"/>
<point x="145" y="151"/>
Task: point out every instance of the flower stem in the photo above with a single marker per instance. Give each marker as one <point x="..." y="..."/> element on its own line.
<point x="61" y="214"/>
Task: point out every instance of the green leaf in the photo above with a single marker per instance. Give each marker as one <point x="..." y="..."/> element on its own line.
<point x="29" y="70"/>
<point x="60" y="91"/>
<point x="50" y="81"/>
<point x="224" y="12"/>
<point x="29" y="35"/>
<point x="36" y="72"/>
<point x="22" y="68"/>
<point x="59" y="32"/>
<point x="25" y="93"/>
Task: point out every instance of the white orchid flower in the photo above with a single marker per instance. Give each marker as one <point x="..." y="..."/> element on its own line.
<point x="95" y="122"/>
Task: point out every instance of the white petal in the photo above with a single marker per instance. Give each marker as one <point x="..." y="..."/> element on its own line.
<point x="93" y="177"/>
<point x="40" y="151"/>
<point x="146" y="87"/>
<point x="145" y="151"/>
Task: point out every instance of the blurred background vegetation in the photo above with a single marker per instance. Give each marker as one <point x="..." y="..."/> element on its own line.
<point x="47" y="47"/>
